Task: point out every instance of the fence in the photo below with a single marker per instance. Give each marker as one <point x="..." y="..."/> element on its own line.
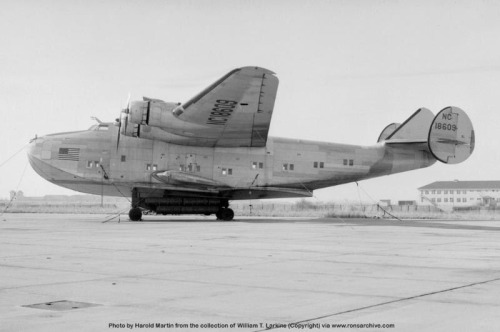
<point x="301" y="208"/>
<point x="346" y="210"/>
<point x="60" y="207"/>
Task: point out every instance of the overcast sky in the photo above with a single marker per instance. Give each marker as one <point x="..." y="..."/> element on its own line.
<point x="346" y="70"/>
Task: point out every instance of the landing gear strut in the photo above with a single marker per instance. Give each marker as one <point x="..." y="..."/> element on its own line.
<point x="135" y="214"/>
<point x="225" y="214"/>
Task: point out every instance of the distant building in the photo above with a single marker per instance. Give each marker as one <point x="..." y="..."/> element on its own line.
<point x="461" y="193"/>
<point x="401" y="203"/>
<point x="385" y="202"/>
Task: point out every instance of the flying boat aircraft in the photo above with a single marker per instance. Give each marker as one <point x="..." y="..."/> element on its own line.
<point x="194" y="158"/>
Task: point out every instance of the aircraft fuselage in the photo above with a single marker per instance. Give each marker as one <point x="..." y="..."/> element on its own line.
<point x="90" y="162"/>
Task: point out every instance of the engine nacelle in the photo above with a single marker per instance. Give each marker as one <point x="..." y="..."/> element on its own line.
<point x="157" y="113"/>
<point x="155" y="133"/>
<point x="128" y="128"/>
<point x="156" y="119"/>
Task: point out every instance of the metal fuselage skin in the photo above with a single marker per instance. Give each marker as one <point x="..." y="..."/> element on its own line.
<point x="102" y="168"/>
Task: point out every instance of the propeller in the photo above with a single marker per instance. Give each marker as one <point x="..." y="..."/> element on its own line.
<point x="125" y="111"/>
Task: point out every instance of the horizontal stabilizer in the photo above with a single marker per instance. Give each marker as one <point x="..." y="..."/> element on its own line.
<point x="406" y="141"/>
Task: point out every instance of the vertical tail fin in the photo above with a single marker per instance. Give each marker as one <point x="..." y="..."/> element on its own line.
<point x="451" y="136"/>
<point x="416" y="127"/>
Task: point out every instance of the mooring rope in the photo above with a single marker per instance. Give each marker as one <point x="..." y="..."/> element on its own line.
<point x="17" y="188"/>
<point x="8" y="159"/>
<point x="378" y="205"/>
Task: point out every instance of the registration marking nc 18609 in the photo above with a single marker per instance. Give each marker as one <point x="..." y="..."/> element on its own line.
<point x="221" y="112"/>
<point x="446" y="125"/>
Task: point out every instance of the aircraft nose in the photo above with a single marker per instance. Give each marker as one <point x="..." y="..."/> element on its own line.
<point x="35" y="148"/>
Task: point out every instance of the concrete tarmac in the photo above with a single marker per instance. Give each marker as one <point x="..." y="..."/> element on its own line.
<point x="196" y="274"/>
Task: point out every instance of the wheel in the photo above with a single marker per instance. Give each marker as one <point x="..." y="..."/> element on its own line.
<point x="226" y="214"/>
<point x="135" y="214"/>
<point x="218" y="214"/>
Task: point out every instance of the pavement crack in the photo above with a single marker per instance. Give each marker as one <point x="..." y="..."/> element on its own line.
<point x="389" y="302"/>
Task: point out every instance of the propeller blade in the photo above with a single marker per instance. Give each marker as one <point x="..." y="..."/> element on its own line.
<point x="126" y="124"/>
<point x="125" y="111"/>
<point x="128" y="104"/>
<point x="119" y="132"/>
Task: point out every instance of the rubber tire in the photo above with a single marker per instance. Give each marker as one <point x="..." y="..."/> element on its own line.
<point x="135" y="214"/>
<point x="226" y="214"/>
<point x="218" y="214"/>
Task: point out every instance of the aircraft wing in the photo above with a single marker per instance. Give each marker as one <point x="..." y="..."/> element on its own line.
<point x="236" y="109"/>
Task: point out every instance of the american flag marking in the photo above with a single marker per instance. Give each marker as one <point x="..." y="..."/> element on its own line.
<point x="72" y="154"/>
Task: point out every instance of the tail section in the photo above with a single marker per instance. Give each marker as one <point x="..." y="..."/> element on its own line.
<point x="449" y="136"/>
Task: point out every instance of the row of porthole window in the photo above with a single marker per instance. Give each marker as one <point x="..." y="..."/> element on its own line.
<point x="259" y="165"/>
<point x="151" y="167"/>
<point x="190" y="168"/>
<point x="92" y="164"/>
<point x="321" y="164"/>
<point x="350" y="161"/>
<point x="285" y="167"/>
<point x="290" y="167"/>
<point x="255" y="165"/>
